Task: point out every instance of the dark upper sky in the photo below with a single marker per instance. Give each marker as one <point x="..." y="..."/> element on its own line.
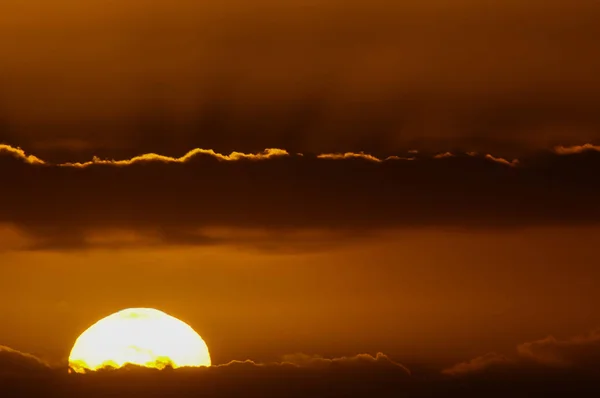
<point x="121" y="78"/>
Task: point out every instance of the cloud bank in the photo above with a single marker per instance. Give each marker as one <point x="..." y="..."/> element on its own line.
<point x="301" y="375"/>
<point x="274" y="197"/>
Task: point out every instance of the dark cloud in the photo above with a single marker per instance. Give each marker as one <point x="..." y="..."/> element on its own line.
<point x="319" y="363"/>
<point x="479" y="365"/>
<point x="297" y="376"/>
<point x="357" y="361"/>
<point x="580" y="351"/>
<point x="570" y="150"/>
<point x="15" y="363"/>
<point x="303" y="361"/>
<point x="274" y="198"/>
<point x="579" y="355"/>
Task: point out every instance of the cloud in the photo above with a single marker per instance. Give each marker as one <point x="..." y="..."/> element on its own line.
<point x="575" y="149"/>
<point x="268" y="153"/>
<point x="361" y="155"/>
<point x="360" y="360"/>
<point x="577" y="354"/>
<point x="444" y="155"/>
<point x="153" y="157"/>
<point x="19" y="154"/>
<point x="296" y="376"/>
<point x="478" y="365"/>
<point x="580" y="351"/>
<point x="275" y="199"/>
<point x="512" y="163"/>
<point x="317" y="362"/>
<point x="148" y="157"/>
<point x="13" y="362"/>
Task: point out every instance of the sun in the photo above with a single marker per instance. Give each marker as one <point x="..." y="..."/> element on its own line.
<point x="139" y="336"/>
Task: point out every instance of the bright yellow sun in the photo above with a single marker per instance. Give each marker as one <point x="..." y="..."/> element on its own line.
<point x="139" y="336"/>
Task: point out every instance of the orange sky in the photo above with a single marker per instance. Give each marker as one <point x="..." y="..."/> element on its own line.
<point x="425" y="294"/>
<point x="120" y="79"/>
<point x="429" y="192"/>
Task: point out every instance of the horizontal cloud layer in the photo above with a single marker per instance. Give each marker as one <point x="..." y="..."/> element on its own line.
<point x="272" y="197"/>
<point x="297" y="375"/>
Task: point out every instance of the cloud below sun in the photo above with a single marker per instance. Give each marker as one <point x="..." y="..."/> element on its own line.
<point x="579" y="353"/>
<point x="14" y="361"/>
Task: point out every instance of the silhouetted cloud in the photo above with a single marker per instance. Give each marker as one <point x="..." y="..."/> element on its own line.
<point x="444" y="155"/>
<point x="478" y="365"/>
<point x="361" y="360"/>
<point x="570" y="150"/>
<point x="361" y="155"/>
<point x="514" y="162"/>
<point x="19" y="154"/>
<point x="580" y="351"/>
<point x="577" y="354"/>
<point x="299" y="360"/>
<point x="298" y="375"/>
<point x="13" y="362"/>
<point x="275" y="199"/>
<point x="268" y="153"/>
<point x="153" y="157"/>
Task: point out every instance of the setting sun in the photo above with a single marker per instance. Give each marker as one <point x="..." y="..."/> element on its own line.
<point x="139" y="336"/>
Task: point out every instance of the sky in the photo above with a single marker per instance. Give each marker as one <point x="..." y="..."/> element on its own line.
<point x="334" y="179"/>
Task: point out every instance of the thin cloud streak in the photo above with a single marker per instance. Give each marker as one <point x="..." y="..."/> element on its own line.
<point x="293" y="360"/>
<point x="316" y="361"/>
<point x="153" y="157"/>
<point x="477" y="365"/>
<point x="269" y="153"/>
<point x="512" y="163"/>
<point x="360" y="155"/>
<point x="571" y="150"/>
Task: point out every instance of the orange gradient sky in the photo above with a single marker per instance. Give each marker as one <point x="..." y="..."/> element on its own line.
<point x="430" y="191"/>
